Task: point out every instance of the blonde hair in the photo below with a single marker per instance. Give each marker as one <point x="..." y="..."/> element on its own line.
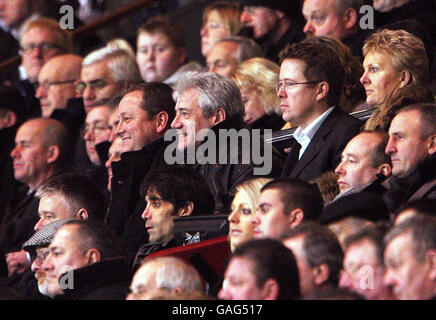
<point x="229" y="13"/>
<point x="261" y="75"/>
<point x="62" y="37"/>
<point x="406" y="52"/>
<point x="251" y="189"/>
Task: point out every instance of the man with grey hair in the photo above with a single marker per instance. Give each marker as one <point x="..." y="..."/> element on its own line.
<point x="410" y="259"/>
<point x="226" y="55"/>
<point x="210" y="105"/>
<point x="106" y="72"/>
<point x="164" y="275"/>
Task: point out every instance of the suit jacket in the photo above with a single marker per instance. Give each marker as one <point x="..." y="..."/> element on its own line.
<point x="324" y="151"/>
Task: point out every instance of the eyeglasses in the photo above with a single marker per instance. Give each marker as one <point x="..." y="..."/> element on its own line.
<point x="96" y="129"/>
<point x="286" y="85"/>
<point x="93" y="85"/>
<point x="44" y="47"/>
<point x="47" y="84"/>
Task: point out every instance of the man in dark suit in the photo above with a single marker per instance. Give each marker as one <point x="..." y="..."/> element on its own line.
<point x="41" y="151"/>
<point x="310" y="88"/>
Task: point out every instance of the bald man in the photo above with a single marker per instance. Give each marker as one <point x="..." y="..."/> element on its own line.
<point x="41" y="151"/>
<point x="56" y="82"/>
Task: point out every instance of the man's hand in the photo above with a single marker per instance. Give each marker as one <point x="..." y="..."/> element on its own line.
<point x="17" y="262"/>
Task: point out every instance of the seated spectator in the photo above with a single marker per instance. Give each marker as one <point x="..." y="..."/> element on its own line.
<point x="207" y="104"/>
<point x="409" y="257"/>
<point x="165" y="276"/>
<point x="273" y="24"/>
<point x="107" y="72"/>
<point x="412" y="148"/>
<point x="41" y="151"/>
<point x="284" y="204"/>
<point x="336" y="18"/>
<point x="363" y="168"/>
<point x="227" y="53"/>
<point x="96" y="133"/>
<point x="242" y="210"/>
<point x="89" y="252"/>
<point x="50" y="40"/>
<point x="69" y="195"/>
<point x="364" y="267"/>
<point x="319" y="256"/>
<point x="414" y="208"/>
<point x="161" y="51"/>
<point x="170" y="194"/>
<point x="261" y="270"/>
<point x="220" y="20"/>
<point x="323" y="129"/>
<point x="33" y="283"/>
<point x="396" y="73"/>
<point x="256" y="79"/>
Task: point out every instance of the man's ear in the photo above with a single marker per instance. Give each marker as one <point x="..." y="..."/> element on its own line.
<point x="280" y="14"/>
<point x="161" y="121"/>
<point x="321" y="274"/>
<point x="323" y="90"/>
<point x="219" y="116"/>
<point x="52" y="153"/>
<point x="385" y="169"/>
<point x="270" y="289"/>
<point x="296" y="216"/>
<point x="186" y="210"/>
<point x="82" y="214"/>
<point x="349" y="18"/>
<point x="432" y="144"/>
<point x="92" y="256"/>
<point x="182" y="55"/>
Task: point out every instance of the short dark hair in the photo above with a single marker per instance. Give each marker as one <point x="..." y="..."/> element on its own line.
<point x="322" y="64"/>
<point x="374" y="233"/>
<point x="423" y="231"/>
<point x="94" y="234"/>
<point x="156" y="97"/>
<point x="79" y="192"/>
<point x="12" y="100"/>
<point x="296" y="193"/>
<point x="272" y="259"/>
<point x="321" y="246"/>
<point x="179" y="185"/>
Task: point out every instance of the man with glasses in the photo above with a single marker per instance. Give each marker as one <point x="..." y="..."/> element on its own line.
<point x="310" y="88"/>
<point x="106" y="73"/>
<point x="41" y="40"/>
<point x="56" y="83"/>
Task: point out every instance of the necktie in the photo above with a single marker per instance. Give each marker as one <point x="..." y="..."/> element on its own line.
<point x="292" y="158"/>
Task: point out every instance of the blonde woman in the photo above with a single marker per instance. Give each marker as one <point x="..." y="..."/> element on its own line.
<point x="256" y="78"/>
<point x="243" y="209"/>
<point x="396" y="73"/>
<point x="220" y="20"/>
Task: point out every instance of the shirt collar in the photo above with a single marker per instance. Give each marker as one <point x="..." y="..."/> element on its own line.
<point x="309" y="132"/>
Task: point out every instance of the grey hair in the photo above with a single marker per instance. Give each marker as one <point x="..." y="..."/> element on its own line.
<point x="121" y="62"/>
<point x="174" y="273"/>
<point x="247" y="48"/>
<point x="214" y="91"/>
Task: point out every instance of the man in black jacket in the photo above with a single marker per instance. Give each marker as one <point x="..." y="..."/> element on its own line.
<point x="310" y="88"/>
<point x="144" y="115"/>
<point x="412" y="148"/>
<point x="84" y="263"/>
<point x="209" y="113"/>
